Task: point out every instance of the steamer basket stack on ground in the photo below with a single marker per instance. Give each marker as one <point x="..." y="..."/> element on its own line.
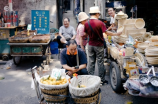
<point x="152" y="51"/>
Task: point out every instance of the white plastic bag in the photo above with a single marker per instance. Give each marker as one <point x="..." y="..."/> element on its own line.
<point x="92" y="84"/>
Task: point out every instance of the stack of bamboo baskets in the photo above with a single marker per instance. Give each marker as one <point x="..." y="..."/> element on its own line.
<point x="151" y="52"/>
<point x="132" y="27"/>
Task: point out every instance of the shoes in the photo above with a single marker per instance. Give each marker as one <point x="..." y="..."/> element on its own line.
<point x="104" y="82"/>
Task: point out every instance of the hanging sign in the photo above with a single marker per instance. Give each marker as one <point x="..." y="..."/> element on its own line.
<point x="40" y="21"/>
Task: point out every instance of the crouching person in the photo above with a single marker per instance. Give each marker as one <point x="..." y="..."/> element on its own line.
<point x="73" y="59"/>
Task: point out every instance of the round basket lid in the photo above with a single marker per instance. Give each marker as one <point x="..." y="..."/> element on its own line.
<point x="140" y="23"/>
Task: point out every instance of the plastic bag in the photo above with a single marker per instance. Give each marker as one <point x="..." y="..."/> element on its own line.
<point x="55" y="74"/>
<point x="92" y="84"/>
<point x="8" y="64"/>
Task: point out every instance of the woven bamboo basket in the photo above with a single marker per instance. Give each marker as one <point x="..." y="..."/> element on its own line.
<point x="40" y="38"/>
<point x="126" y="21"/>
<point x="133" y="31"/>
<point x="143" y="45"/>
<point x="94" y="98"/>
<point x="154" y="39"/>
<point x="146" y="36"/>
<point x="152" y="60"/>
<point x="19" y="39"/>
<point x="153" y="44"/>
<point x="128" y="26"/>
<point x="114" y="52"/>
<point x="55" y="99"/>
<point x="140" y="59"/>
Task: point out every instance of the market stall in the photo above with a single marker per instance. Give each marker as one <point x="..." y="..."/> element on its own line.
<point x="35" y="40"/>
<point x="8" y="24"/>
<point x="54" y="86"/>
<point x="131" y="55"/>
<point x="25" y="43"/>
<point x="5" y="33"/>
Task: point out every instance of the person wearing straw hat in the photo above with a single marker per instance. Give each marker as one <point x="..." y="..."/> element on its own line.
<point x="81" y="39"/>
<point x="95" y="28"/>
<point x="111" y="12"/>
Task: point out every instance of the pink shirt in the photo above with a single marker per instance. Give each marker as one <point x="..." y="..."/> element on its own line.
<point x="80" y="32"/>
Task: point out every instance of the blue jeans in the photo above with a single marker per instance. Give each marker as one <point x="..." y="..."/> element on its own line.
<point x="82" y="72"/>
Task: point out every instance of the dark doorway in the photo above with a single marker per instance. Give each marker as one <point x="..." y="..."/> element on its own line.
<point x="67" y="4"/>
<point x="83" y="5"/>
<point x="59" y="12"/>
<point x="148" y="10"/>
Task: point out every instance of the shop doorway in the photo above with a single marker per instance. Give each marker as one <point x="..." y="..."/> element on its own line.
<point x="67" y="4"/>
<point x="59" y="12"/>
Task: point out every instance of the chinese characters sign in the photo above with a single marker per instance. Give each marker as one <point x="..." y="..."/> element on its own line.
<point x="40" y="21"/>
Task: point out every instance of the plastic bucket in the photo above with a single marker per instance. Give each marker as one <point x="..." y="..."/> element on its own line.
<point x="54" y="47"/>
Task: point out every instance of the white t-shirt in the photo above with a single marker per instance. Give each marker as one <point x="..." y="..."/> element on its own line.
<point x="113" y="19"/>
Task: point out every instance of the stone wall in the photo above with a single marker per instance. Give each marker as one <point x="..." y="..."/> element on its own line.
<point x="24" y="8"/>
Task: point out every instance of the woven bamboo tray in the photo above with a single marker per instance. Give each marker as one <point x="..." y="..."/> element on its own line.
<point x="55" y="99"/>
<point x="40" y="38"/>
<point x="19" y="39"/>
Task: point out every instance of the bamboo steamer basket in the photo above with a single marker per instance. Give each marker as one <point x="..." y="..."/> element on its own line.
<point x="141" y="59"/>
<point x="134" y="35"/>
<point x="152" y="60"/>
<point x="133" y="31"/>
<point x="147" y="36"/>
<point x="153" y="44"/>
<point x="128" y="26"/>
<point x="120" y="29"/>
<point x="154" y="39"/>
<point x="129" y="51"/>
<point x="151" y="52"/>
<point x="120" y="39"/>
<point x="126" y="21"/>
<point x="141" y="50"/>
<point x="143" y="45"/>
<point x="114" y="52"/>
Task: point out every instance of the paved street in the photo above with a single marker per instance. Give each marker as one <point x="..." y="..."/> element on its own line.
<point x="16" y="87"/>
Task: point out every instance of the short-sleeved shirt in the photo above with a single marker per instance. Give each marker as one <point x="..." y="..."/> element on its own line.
<point x="99" y="28"/>
<point x="67" y="32"/>
<point x="71" y="60"/>
<point x="113" y="19"/>
<point x="80" y="33"/>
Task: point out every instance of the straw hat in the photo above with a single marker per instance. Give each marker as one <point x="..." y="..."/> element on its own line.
<point x="94" y="9"/>
<point x="140" y="23"/>
<point x="82" y="16"/>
